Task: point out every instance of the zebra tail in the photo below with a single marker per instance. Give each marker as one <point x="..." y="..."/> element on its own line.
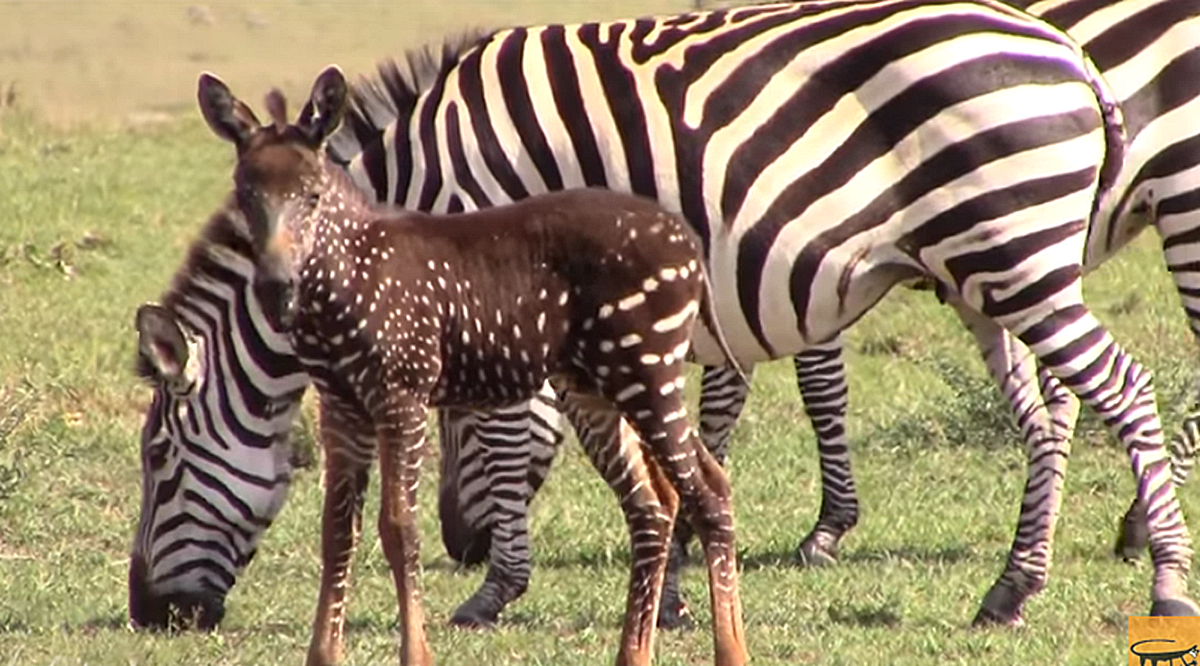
<point x="709" y="316"/>
<point x="1115" y="135"/>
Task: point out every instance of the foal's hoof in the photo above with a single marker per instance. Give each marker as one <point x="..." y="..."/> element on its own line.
<point x="990" y="617"/>
<point x="675" y="616"/>
<point x="470" y="617"/>
<point x="1174" y="608"/>
<point x="813" y="553"/>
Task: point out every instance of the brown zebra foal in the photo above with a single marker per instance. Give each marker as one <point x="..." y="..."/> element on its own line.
<point x="393" y="311"/>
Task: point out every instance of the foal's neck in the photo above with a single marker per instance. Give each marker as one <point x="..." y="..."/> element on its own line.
<point x="344" y="210"/>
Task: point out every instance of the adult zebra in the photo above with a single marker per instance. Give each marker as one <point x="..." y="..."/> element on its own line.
<point x="1149" y="51"/>
<point x="535" y="117"/>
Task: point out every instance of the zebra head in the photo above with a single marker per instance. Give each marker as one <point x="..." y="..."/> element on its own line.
<point x="215" y="445"/>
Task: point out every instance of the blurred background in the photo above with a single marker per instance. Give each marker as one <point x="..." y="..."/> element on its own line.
<point x="136" y="61"/>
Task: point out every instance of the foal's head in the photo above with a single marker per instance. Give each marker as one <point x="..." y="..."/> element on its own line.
<point x="280" y="179"/>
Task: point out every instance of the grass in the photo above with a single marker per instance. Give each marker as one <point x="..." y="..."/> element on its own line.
<point x="97" y="216"/>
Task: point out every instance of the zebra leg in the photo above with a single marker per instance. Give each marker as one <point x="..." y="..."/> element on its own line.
<point x="1134" y="534"/>
<point x="465" y="485"/>
<point x="456" y="433"/>
<point x="1046" y="413"/>
<point x="821" y="375"/>
<point x="648" y="501"/>
<point x="495" y="481"/>
<point x="722" y="396"/>
<point x="1080" y="352"/>
<point x="349" y="448"/>
<point x="1176" y="222"/>
<point x="400" y="423"/>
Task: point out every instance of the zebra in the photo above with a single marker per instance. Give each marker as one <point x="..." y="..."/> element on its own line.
<point x="529" y="144"/>
<point x="1146" y="50"/>
<point x="392" y="311"/>
<point x="1150" y="54"/>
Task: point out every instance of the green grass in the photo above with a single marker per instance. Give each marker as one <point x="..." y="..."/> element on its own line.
<point x="95" y="221"/>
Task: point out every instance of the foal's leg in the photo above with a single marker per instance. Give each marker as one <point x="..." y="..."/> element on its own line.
<point x="651" y="399"/>
<point x="400" y="427"/>
<point x="349" y="450"/>
<point x="1046" y="413"/>
<point x="722" y="397"/>
<point x="647" y="500"/>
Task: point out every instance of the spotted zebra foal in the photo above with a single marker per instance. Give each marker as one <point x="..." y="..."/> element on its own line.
<point x="392" y="311"/>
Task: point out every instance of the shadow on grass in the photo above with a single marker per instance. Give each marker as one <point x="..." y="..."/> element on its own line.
<point x="100" y="623"/>
<point x="865" y="615"/>
<point x="769" y="559"/>
<point x="937" y="554"/>
<point x="749" y="560"/>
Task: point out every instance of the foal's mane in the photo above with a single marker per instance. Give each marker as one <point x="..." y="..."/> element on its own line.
<point x="390" y="96"/>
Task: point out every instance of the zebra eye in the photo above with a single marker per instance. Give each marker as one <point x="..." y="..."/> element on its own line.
<point x="156" y="455"/>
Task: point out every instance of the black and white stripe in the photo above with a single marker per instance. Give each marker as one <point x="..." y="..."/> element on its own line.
<point x="215" y="450"/>
<point x="703" y="113"/>
<point x="1149" y="52"/>
<point x="818" y="149"/>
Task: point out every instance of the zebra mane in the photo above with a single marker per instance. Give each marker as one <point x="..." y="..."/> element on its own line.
<point x="223" y="236"/>
<point x="390" y="96"/>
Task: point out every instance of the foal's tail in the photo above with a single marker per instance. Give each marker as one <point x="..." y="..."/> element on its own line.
<point x="708" y="315"/>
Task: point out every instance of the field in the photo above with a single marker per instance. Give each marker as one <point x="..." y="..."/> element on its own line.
<point x="106" y="172"/>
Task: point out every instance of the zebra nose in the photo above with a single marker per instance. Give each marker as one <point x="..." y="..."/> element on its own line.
<point x="171" y="612"/>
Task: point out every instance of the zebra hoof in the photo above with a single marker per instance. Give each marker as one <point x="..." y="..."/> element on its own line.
<point x="675" y="616"/>
<point x="1002" y="606"/>
<point x="1174" y="608"/>
<point x="467" y="617"/>
<point x="812" y="553"/>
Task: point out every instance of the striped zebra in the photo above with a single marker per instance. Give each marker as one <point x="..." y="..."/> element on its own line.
<point x="1150" y="54"/>
<point x="725" y="117"/>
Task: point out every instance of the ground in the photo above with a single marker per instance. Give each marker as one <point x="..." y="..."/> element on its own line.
<point x="106" y="173"/>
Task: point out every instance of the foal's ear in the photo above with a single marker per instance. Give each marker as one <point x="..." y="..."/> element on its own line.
<point x="227" y="115"/>
<point x="162" y="349"/>
<point x="323" y="112"/>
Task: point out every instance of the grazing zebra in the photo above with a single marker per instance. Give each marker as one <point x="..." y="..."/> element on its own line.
<point x="215" y="447"/>
<point x="1150" y="54"/>
<point x="716" y="115"/>
<point x="392" y="311"/>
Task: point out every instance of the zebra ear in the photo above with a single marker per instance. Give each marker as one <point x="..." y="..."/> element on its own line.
<point x="228" y="116"/>
<point x="323" y="112"/>
<point x="162" y="347"/>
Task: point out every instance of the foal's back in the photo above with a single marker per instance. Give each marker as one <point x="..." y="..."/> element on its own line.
<point x="589" y="235"/>
<point x="480" y="308"/>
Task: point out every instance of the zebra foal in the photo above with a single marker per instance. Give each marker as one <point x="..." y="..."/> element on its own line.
<point x="392" y="312"/>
